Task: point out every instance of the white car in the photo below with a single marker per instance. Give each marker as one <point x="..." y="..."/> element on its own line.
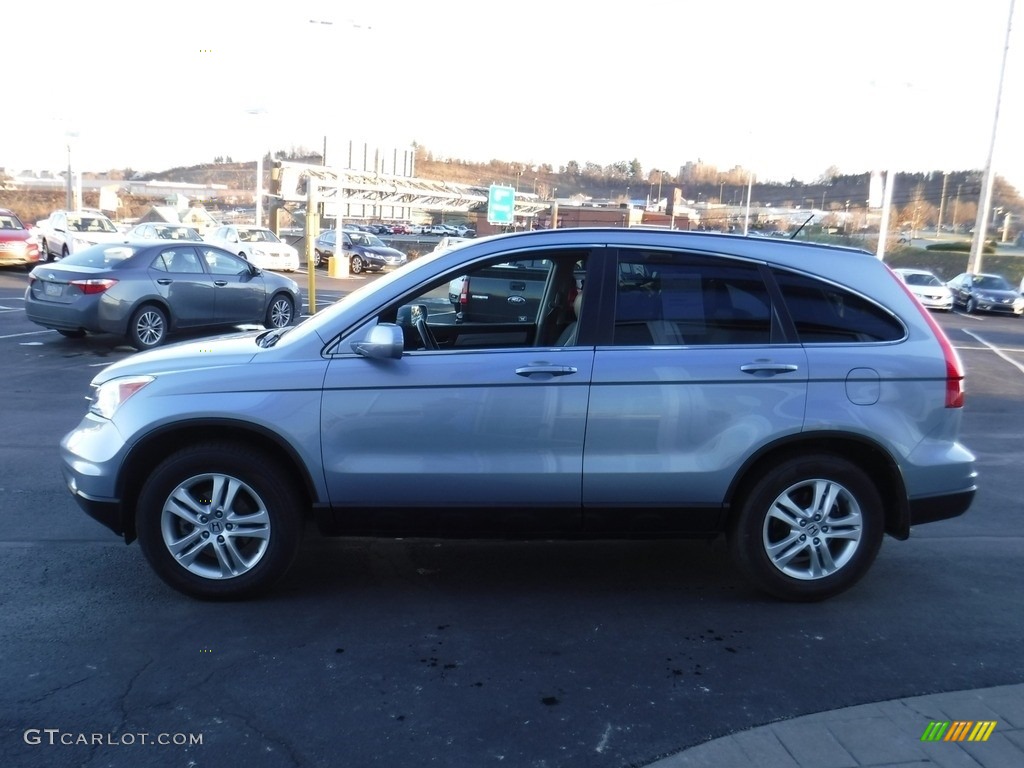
<point x="930" y="291"/>
<point x="257" y="245"/>
<point x="67" y="232"/>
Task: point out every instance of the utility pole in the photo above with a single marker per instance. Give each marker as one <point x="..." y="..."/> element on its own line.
<point x="883" y="227"/>
<point x="981" y="222"/>
<point x="942" y="204"/>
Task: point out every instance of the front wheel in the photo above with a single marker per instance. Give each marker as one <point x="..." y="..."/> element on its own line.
<point x="280" y="313"/>
<point x="356" y="265"/>
<point x="971" y="306"/>
<point x="219" y="521"/>
<point x="809" y="528"/>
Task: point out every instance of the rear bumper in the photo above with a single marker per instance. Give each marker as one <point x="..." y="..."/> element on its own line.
<point x="934" y="508"/>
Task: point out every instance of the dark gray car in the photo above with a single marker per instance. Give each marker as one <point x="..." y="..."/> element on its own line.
<point x="793" y="397"/>
<point x="366" y="252"/>
<point x="144" y="290"/>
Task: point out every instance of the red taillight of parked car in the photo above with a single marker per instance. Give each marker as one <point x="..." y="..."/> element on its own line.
<point x="93" y="286"/>
<point x="954" y="368"/>
<point x="464" y="293"/>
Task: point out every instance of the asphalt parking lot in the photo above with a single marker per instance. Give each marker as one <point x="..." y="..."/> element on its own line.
<point x="405" y="653"/>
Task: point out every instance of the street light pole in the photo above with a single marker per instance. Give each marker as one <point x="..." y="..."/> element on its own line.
<point x="258" y="197"/>
<point x="978" y="244"/>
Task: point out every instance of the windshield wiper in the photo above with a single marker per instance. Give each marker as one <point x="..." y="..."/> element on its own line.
<point x="271" y="337"/>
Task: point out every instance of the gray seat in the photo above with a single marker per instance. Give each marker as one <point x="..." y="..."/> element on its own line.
<point x="568" y="336"/>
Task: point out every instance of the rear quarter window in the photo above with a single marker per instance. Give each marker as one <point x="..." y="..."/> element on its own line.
<point x="827" y="314"/>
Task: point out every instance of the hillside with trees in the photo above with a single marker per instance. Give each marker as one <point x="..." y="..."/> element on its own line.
<point x="920" y="198"/>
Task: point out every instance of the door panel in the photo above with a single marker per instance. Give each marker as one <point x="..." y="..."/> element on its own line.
<point x="478" y="432"/>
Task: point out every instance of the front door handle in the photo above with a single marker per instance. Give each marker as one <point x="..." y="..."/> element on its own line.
<point x="164" y="281"/>
<point x="765" y="368"/>
<point x="221" y="283"/>
<point x="545" y="370"/>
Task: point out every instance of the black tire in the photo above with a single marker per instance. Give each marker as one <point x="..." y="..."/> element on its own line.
<point x="148" y="327"/>
<point x="202" y="501"/>
<point x="818" y="552"/>
<point x="318" y="258"/>
<point x="76" y="334"/>
<point x="44" y="253"/>
<point x="64" y="252"/>
<point x="356" y="265"/>
<point x="971" y="306"/>
<point x="280" y="313"/>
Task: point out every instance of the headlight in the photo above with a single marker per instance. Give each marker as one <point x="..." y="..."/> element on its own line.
<point x="109" y="396"/>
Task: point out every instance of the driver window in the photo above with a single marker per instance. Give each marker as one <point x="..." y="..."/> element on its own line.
<point x="502" y="303"/>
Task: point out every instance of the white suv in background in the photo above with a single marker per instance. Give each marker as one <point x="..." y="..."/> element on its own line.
<point x="67" y="232"/>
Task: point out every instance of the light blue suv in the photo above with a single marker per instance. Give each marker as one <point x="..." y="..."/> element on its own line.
<point x="795" y="398"/>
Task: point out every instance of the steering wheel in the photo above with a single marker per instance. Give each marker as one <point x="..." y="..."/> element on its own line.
<point x="426" y="335"/>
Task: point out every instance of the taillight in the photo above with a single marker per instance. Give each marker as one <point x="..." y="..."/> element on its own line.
<point x="464" y="292"/>
<point x="954" y="368"/>
<point x="94" y="285"/>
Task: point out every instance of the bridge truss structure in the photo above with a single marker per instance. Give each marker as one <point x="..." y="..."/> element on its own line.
<point x="365" y="195"/>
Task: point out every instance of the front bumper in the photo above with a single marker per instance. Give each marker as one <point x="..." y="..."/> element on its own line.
<point x="90" y="457"/>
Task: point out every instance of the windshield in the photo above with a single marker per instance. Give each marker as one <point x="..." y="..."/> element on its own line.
<point x="992" y="282"/>
<point x="257" y="236"/>
<point x="177" y="233"/>
<point x="366" y="239"/>
<point x="10" y="221"/>
<point x="919" y="279"/>
<point x="90" y="224"/>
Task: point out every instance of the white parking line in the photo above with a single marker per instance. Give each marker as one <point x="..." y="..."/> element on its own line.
<point x="27" y="333"/>
<point x="995" y="349"/>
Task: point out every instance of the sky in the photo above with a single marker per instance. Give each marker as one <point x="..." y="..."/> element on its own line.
<point x="785" y="89"/>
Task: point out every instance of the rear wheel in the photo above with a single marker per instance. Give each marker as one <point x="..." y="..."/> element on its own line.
<point x="219" y="521"/>
<point x="148" y="327"/>
<point x="809" y="528"/>
<point x="317" y="258"/>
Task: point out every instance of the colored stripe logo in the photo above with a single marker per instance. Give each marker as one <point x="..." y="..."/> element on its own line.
<point x="958" y="730"/>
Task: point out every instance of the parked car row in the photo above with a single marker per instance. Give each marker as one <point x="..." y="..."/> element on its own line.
<point x="981" y="292"/>
<point x="460" y="230"/>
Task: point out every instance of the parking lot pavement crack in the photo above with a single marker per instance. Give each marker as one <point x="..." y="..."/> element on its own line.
<point x="271" y="741"/>
<point x="123" y="699"/>
<point x="58" y="689"/>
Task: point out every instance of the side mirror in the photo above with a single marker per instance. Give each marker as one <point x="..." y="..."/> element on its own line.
<point x="383" y="342"/>
<point x="410" y="314"/>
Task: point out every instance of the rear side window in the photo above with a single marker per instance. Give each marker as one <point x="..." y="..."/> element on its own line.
<point x="665" y="298"/>
<point x="826" y="314"/>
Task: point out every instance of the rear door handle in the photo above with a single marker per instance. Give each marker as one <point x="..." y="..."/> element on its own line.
<point x="545" y="371"/>
<point x="768" y="369"/>
<point x="164" y="281"/>
<point x="221" y="283"/>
